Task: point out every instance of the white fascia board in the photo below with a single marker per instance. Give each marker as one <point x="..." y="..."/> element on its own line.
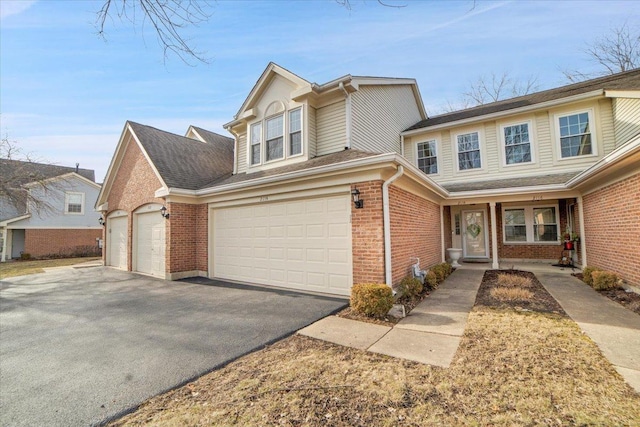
<point x="10" y="220"/>
<point x="380" y="81"/>
<point x="510" y="112"/>
<point x="630" y="148"/>
<point x="103" y="207"/>
<point x="117" y="158"/>
<point x="64" y="177"/>
<point x="635" y="94"/>
<point x="510" y="191"/>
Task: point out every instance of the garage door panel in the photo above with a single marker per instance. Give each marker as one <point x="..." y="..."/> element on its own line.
<point x="117" y="242"/>
<point x="295" y="244"/>
<point x="150" y="244"/>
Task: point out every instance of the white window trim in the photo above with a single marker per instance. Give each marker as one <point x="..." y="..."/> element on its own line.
<point x="592" y="126"/>
<point x="529" y="223"/>
<point x="480" y="144"/>
<point x="285" y="138"/>
<point x="437" y="150"/>
<point x="66" y="203"/>
<point x="532" y="146"/>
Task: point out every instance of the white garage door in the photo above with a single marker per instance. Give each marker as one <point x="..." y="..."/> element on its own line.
<point x="301" y="244"/>
<point x="149" y="248"/>
<point x="117" y="242"/>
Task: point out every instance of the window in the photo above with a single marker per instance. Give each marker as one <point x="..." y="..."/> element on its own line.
<point x="530" y="224"/>
<point x="275" y="137"/>
<point x="256" y="136"/>
<point x="469" y="151"/>
<point x="427" y="158"/>
<point x="517" y="147"/>
<point x="74" y="203"/>
<point x="295" y="132"/>
<point x="575" y="135"/>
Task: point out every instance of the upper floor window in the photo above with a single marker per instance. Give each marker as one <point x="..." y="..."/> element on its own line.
<point x="280" y="134"/>
<point x="74" y="203"/>
<point x="427" y="157"/>
<point x="469" y="151"/>
<point x="575" y="135"/>
<point x="517" y="145"/>
<point x="530" y="224"/>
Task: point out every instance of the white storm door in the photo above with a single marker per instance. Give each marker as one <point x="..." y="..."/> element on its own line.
<point x="150" y="244"/>
<point x="117" y="242"/>
<point x="474" y="234"/>
<point x="298" y="244"/>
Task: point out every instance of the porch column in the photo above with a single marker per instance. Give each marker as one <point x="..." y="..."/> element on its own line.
<point x="443" y="253"/>
<point x="494" y="236"/>
<point x="4" y="244"/>
<point x="583" y="243"/>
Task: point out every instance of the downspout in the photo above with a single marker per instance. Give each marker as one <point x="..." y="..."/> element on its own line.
<point x="402" y="145"/>
<point x="347" y="112"/>
<point x="583" y="243"/>
<point x="387" y="225"/>
<point x="235" y="150"/>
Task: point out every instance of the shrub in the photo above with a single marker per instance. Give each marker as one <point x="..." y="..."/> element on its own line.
<point x="442" y="271"/>
<point x="604" y="280"/>
<point x="511" y="294"/>
<point x="411" y="287"/>
<point x="514" y="281"/>
<point x="587" y="274"/>
<point x="431" y="280"/>
<point x="371" y="299"/>
<point x="25" y="256"/>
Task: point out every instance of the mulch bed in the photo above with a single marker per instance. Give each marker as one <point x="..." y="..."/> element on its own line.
<point x="629" y="300"/>
<point x="541" y="301"/>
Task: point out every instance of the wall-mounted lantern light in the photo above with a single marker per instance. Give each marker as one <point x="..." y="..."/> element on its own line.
<point x="101" y="220"/>
<point x="164" y="213"/>
<point x="355" y="193"/>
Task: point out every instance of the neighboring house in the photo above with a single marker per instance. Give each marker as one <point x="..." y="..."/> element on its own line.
<point x="47" y="210"/>
<point x="275" y="205"/>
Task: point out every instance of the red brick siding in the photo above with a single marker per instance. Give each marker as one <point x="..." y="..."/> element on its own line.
<point x="202" y="237"/>
<point x="415" y="232"/>
<point x="367" y="235"/>
<point x="187" y="237"/>
<point x="58" y="242"/>
<point x="612" y="228"/>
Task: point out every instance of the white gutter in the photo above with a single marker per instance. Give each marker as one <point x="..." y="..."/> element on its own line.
<point x="508" y="112"/>
<point x="387" y="225"/>
<point x="347" y="111"/>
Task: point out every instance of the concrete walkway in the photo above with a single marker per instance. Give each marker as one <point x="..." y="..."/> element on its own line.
<point x="430" y="334"/>
<point x="614" y="329"/>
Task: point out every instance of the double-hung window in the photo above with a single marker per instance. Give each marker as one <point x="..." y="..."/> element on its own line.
<point x="427" y="157"/>
<point x="256" y="137"/>
<point x="469" y="151"/>
<point x="575" y="135"/>
<point x="530" y="224"/>
<point x="295" y="132"/>
<point x="74" y="203"/>
<point x="275" y="137"/>
<point x="517" y="145"/>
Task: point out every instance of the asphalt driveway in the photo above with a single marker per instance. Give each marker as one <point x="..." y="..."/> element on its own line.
<point x="80" y="346"/>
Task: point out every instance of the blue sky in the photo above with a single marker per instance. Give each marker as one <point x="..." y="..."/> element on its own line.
<point x="65" y="93"/>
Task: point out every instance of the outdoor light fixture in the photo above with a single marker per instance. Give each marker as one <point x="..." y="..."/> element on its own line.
<point x="355" y="193"/>
<point x="101" y="220"/>
<point x="163" y="212"/>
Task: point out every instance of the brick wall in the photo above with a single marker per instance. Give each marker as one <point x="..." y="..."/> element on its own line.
<point x="187" y="237"/>
<point x="415" y="232"/>
<point x="60" y="242"/>
<point x="612" y="228"/>
<point x="367" y="235"/>
<point x="202" y="237"/>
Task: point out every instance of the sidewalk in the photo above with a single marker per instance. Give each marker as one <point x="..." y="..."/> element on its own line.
<point x="614" y="329"/>
<point x="430" y="334"/>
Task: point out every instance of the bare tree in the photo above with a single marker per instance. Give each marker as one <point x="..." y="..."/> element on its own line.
<point x="614" y="52"/>
<point x="168" y="18"/>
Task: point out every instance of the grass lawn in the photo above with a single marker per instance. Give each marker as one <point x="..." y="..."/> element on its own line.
<point x="513" y="367"/>
<point x="21" y="268"/>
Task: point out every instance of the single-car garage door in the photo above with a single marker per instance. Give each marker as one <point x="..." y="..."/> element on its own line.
<point x="299" y="244"/>
<point x="149" y="247"/>
<point x="117" y="242"/>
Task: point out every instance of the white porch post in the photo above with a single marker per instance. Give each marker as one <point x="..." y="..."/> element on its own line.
<point x="583" y="243"/>
<point x="494" y="236"/>
<point x="443" y="253"/>
<point x="4" y="244"/>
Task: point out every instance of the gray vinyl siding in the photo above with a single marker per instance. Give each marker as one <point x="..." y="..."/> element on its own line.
<point x="626" y="119"/>
<point x="312" y="126"/>
<point x="242" y="153"/>
<point x="331" y="131"/>
<point x="492" y="146"/>
<point x="606" y="127"/>
<point x="446" y="164"/>
<point x="379" y="114"/>
<point x="543" y="145"/>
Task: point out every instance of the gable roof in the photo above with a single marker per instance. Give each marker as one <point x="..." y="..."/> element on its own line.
<point x="212" y="137"/>
<point x="629" y="80"/>
<point x="184" y="162"/>
<point x="22" y="172"/>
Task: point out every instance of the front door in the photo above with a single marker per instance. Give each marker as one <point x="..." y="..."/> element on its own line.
<point x="474" y="234"/>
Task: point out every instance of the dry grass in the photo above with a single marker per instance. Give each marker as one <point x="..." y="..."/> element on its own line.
<point x="21" y="268"/>
<point x="512" y="368"/>
<point x="511" y="294"/>
<point x="514" y="281"/>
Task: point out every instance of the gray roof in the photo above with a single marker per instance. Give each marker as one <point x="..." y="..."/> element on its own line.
<point x="328" y="159"/>
<point x="511" y="183"/>
<point x="25" y="172"/>
<point x="629" y="80"/>
<point x="185" y="162"/>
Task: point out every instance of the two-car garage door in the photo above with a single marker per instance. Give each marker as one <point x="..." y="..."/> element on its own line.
<point x="298" y="244"/>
